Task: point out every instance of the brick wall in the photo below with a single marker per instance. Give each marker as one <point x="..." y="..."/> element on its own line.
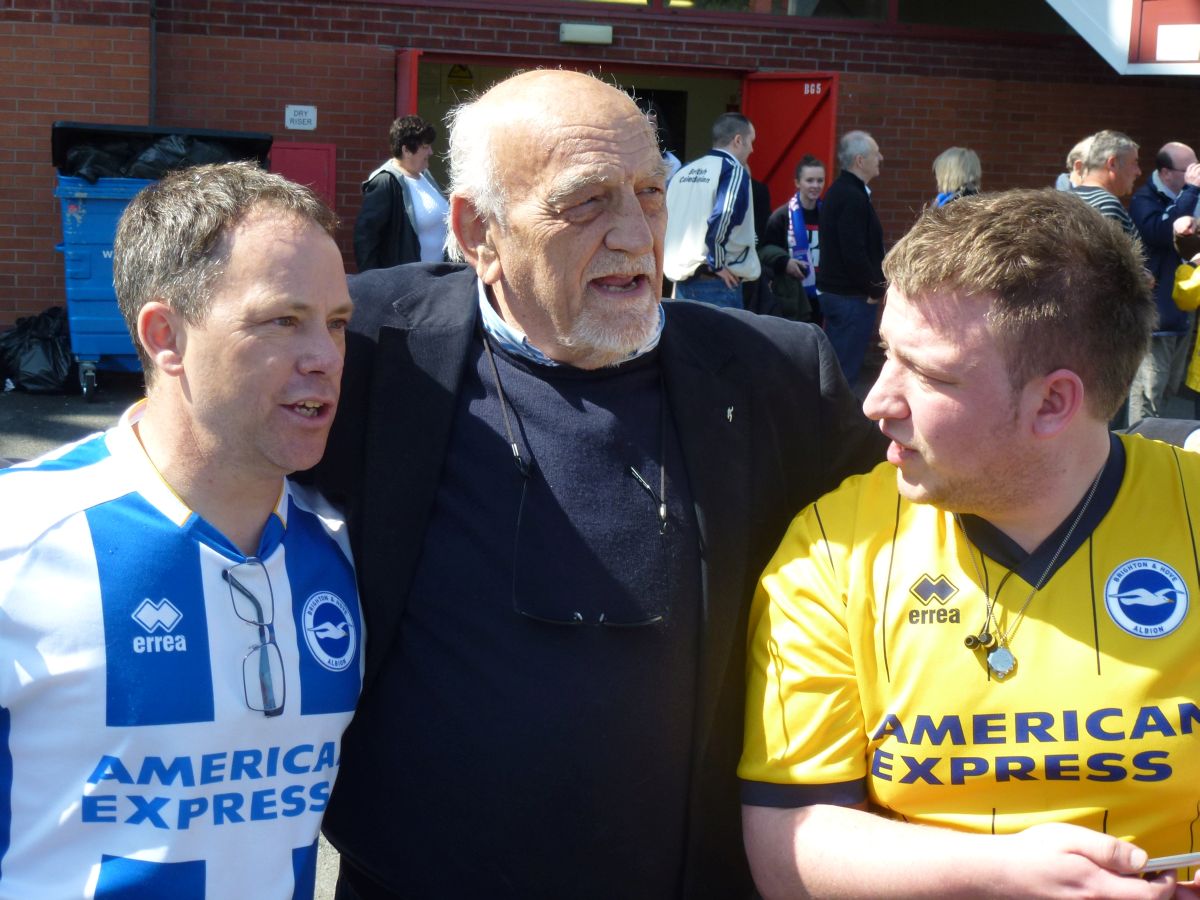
<point x="244" y="84"/>
<point x="76" y="61"/>
<point x="1019" y="102"/>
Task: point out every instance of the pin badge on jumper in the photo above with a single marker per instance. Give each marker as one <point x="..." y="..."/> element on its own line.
<point x="729" y="414"/>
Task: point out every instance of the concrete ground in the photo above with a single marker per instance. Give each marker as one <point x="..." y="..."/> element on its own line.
<point x="31" y="424"/>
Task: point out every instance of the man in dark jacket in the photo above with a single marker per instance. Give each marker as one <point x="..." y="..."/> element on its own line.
<point x="850" y="280"/>
<point x="561" y="493"/>
<point x="1170" y="192"/>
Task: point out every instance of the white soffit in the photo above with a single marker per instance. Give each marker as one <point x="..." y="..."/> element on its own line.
<point x="1105" y="24"/>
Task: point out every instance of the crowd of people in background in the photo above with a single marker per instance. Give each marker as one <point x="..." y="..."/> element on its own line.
<point x="817" y="258"/>
<point x="819" y="254"/>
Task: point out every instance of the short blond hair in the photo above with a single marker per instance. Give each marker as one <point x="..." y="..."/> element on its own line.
<point x="1067" y="287"/>
<point x="957" y="169"/>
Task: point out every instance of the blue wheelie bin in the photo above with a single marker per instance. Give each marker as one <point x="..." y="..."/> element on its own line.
<point x="91" y="207"/>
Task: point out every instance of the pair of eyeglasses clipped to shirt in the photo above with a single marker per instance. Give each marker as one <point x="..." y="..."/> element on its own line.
<point x="262" y="667"/>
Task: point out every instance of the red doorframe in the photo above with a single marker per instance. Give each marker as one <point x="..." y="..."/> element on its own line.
<point x="406" y="82"/>
<point x="312" y="165"/>
<point x="1148" y="15"/>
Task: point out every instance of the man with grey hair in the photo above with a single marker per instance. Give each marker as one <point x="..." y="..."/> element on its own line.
<point x="850" y="281"/>
<point x="559" y="491"/>
<point x="1110" y="167"/>
<point x="710" y="238"/>
<point x="181" y="623"/>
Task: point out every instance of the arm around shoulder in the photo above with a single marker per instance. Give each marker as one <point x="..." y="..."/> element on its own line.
<point x="813" y="406"/>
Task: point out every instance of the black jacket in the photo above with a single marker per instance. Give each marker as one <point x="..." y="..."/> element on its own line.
<point x="766" y="425"/>
<point x="851" y="241"/>
<point x="383" y="232"/>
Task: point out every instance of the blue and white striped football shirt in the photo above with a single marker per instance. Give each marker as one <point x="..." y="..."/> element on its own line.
<point x="130" y="762"/>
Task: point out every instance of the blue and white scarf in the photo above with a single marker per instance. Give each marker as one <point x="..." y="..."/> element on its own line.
<point x="797" y="238"/>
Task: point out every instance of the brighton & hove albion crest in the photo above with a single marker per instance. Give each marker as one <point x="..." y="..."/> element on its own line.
<point x="329" y="631"/>
<point x="1146" y="597"/>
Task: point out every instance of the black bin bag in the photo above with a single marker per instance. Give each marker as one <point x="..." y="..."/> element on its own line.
<point x="36" y="353"/>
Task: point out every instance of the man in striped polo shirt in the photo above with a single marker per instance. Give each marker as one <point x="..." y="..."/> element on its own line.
<point x="1109" y="170"/>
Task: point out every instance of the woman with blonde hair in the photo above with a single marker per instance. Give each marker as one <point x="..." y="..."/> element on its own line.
<point x="958" y="174"/>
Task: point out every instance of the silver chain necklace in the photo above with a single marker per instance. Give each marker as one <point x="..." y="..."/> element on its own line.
<point x="1000" y="659"/>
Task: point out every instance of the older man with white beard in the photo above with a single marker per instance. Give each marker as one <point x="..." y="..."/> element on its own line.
<point x="560" y="493"/>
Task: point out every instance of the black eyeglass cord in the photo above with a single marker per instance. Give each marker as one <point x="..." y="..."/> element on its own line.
<point x="525" y="468"/>
<point x="522" y="466"/>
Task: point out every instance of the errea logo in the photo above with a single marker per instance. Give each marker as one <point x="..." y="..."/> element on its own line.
<point x="933" y="594"/>
<point x="158" y="617"/>
<point x="152" y="616"/>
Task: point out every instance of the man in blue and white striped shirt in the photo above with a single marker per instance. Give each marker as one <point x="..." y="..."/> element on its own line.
<point x="180" y="632"/>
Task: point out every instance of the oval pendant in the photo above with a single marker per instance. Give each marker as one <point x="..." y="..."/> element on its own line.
<point x="1001" y="662"/>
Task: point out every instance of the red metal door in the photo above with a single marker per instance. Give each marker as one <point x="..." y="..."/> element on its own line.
<point x="794" y="113"/>
<point x="312" y="165"/>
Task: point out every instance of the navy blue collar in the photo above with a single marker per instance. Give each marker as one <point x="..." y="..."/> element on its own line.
<point x="998" y="546"/>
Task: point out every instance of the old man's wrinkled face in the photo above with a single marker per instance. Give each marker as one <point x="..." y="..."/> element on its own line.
<point x="580" y="251"/>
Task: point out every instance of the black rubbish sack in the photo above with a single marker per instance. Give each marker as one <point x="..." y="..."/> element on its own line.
<point x="36" y="353"/>
<point x="105" y="159"/>
<point x="175" y="151"/>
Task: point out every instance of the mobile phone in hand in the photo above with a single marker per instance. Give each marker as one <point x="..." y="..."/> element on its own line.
<point x="1167" y="863"/>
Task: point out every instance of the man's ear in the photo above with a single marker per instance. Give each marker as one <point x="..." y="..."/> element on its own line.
<point x="162" y="335"/>
<point x="1058" y="398"/>
<point x="475" y="238"/>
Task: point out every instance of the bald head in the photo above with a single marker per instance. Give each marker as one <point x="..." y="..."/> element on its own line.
<point x="495" y="139"/>
<point x="558" y="202"/>
<point x="1172" y="163"/>
<point x="556" y="93"/>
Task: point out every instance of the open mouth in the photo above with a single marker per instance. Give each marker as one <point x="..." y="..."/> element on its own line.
<point x="621" y="284"/>
<point x="309" y="409"/>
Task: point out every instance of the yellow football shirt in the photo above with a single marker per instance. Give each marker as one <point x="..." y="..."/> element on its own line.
<point x="860" y="683"/>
